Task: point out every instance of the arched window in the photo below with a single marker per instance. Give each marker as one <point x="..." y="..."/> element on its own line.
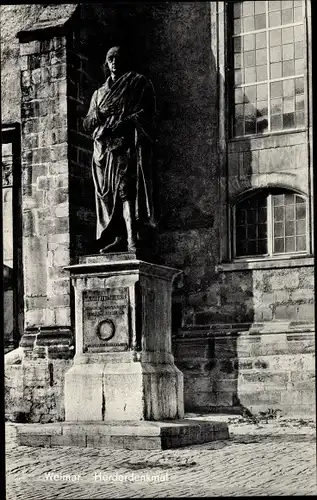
<point x="270" y="223"/>
<point x="267" y="46"/>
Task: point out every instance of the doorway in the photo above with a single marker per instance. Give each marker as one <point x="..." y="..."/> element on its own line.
<point x="12" y="235"/>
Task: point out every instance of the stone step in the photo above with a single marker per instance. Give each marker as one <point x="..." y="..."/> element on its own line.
<point x="133" y="435"/>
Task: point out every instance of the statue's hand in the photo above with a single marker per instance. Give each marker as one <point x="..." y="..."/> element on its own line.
<point x="107" y="112"/>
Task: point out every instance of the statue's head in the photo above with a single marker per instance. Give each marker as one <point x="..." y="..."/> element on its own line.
<point x="116" y="61"/>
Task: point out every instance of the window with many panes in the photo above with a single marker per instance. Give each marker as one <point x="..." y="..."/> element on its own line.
<point x="270" y="223"/>
<point x="268" y="50"/>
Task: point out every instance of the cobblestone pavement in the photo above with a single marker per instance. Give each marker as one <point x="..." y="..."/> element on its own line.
<point x="273" y="458"/>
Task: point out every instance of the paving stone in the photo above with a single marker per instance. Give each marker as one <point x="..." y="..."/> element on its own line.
<point x="277" y="458"/>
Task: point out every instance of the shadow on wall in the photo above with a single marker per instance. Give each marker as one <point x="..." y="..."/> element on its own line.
<point x="210" y="309"/>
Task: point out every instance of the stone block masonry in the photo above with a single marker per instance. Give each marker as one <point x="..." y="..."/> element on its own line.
<point x="258" y="366"/>
<point x="45" y="208"/>
<point x="83" y="79"/>
<point x="209" y="297"/>
<point x="35" y="389"/>
<point x="130" y="435"/>
<point x="284" y="294"/>
<point x="48" y="343"/>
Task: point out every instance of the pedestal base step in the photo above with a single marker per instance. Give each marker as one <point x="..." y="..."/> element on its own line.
<point x="131" y="435"/>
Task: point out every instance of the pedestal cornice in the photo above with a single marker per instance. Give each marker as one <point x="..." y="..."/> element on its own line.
<point x="119" y="264"/>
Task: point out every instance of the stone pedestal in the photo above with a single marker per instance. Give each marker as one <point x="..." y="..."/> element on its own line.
<point x="123" y="390"/>
<point x="123" y="368"/>
<point x="131" y="435"/>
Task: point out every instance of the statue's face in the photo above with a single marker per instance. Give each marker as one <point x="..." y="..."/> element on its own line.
<point x="115" y="61"/>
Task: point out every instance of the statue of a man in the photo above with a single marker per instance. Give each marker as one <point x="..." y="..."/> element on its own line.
<point x="121" y="118"/>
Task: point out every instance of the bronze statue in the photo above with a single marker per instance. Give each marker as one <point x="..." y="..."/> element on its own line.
<point x="121" y="120"/>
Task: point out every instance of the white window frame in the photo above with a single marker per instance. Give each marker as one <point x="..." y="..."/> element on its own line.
<point x="270" y="224"/>
<point x="269" y="80"/>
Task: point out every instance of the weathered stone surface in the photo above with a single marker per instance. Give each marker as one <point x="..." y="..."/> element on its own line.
<point x="30" y="440"/>
<point x="129" y="373"/>
<point x="253" y="369"/>
<point x="84" y="393"/>
<point x="35" y="386"/>
<point x="129" y="435"/>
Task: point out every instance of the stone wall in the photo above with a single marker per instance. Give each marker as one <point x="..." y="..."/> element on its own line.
<point x="284" y="294"/>
<point x="235" y="367"/>
<point x="252" y="295"/>
<point x="195" y="232"/>
<point x="13" y="19"/>
<point x="275" y="161"/>
<point x="45" y="182"/>
<point x="183" y="70"/>
<point x="34" y="386"/>
<point x="255" y="342"/>
<point x="176" y="49"/>
<point x="34" y="390"/>
<point x="83" y="78"/>
<point x="277" y="370"/>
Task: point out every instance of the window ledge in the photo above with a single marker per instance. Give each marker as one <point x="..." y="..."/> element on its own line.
<point x="269" y="140"/>
<point x="266" y="263"/>
<point x="266" y="135"/>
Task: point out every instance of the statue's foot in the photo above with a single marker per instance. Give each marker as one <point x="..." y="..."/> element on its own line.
<point x="116" y="246"/>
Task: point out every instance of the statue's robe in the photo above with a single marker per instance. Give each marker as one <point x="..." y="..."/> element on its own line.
<point x="124" y="157"/>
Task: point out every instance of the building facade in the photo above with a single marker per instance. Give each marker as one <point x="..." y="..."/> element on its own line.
<point x="234" y="199"/>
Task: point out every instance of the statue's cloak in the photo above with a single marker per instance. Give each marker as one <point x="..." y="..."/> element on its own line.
<point x="126" y="155"/>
